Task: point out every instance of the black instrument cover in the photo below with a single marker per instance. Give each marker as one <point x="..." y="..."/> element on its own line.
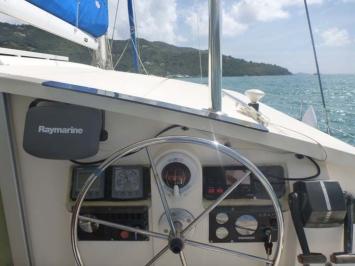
<point x="62" y="131"/>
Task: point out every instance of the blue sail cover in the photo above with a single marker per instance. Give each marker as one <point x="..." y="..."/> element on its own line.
<point x="90" y="16"/>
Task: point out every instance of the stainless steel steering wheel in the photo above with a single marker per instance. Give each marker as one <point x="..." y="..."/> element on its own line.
<point x="176" y="240"/>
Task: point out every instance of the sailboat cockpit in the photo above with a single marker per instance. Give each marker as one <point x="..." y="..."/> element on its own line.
<point x="101" y="167"/>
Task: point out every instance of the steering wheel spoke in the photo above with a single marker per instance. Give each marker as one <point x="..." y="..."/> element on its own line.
<point x="157" y="256"/>
<point x="124" y="227"/>
<point x="182" y="258"/>
<point x="162" y="195"/>
<point x="215" y="203"/>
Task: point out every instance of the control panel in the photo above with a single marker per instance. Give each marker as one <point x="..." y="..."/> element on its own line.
<point x="217" y="179"/>
<point x="117" y="183"/>
<point x="130" y="216"/>
<point x="228" y="224"/>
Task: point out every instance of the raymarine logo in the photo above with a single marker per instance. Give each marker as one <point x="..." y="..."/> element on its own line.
<point x="60" y="130"/>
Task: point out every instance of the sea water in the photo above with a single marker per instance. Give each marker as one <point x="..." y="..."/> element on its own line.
<point x="293" y="94"/>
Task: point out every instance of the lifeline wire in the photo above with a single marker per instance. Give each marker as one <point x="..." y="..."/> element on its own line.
<point x="317" y="66"/>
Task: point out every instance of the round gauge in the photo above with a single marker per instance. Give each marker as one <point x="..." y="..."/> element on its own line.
<point x="127" y="180"/>
<point x="246" y="225"/>
<point x="176" y="174"/>
<point x="221" y="233"/>
<point x="222" y="218"/>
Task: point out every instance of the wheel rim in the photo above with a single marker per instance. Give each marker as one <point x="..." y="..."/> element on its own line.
<point x="146" y="144"/>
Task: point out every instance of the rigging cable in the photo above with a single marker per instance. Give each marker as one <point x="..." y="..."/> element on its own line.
<point x="140" y="60"/>
<point x="137" y="33"/>
<point x="113" y="31"/>
<point x="317" y="66"/>
<point x="122" y="54"/>
<point x="199" y="47"/>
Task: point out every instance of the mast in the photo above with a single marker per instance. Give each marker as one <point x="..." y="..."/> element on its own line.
<point x="214" y="55"/>
<point x="101" y="55"/>
<point x="132" y="30"/>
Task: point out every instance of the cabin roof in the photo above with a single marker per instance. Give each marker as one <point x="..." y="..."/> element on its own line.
<point x="284" y="132"/>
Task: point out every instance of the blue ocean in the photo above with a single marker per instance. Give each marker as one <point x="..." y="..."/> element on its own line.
<point x="295" y="93"/>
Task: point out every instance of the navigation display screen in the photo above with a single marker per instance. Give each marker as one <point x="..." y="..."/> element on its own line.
<point x="217" y="179"/>
<point x="127" y="183"/>
<point x="80" y="175"/>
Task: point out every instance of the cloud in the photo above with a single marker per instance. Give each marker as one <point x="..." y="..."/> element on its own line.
<point x="335" y="37"/>
<point x="249" y="11"/>
<point x="239" y="16"/>
<point x="155" y="19"/>
<point x="158" y="20"/>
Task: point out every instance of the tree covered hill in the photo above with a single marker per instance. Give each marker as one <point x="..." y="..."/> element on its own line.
<point x="159" y="58"/>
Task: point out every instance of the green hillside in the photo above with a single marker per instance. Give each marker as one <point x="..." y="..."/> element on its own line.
<point x="159" y="58"/>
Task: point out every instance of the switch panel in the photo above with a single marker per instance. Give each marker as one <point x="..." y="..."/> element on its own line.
<point x="228" y="224"/>
<point x="129" y="216"/>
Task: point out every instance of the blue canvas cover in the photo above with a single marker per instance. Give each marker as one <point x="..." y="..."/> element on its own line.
<point x="90" y="16"/>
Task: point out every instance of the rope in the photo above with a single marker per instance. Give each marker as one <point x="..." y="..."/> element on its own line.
<point x="139" y="58"/>
<point x="113" y="31"/>
<point x="121" y="56"/>
<point x="317" y="66"/>
<point x="136" y="23"/>
<point x="115" y="21"/>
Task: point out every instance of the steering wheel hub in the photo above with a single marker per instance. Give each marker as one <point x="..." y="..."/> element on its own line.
<point x="176" y="245"/>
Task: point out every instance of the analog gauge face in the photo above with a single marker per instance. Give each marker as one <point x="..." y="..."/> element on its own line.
<point x="176" y="174"/>
<point x="246" y="225"/>
<point x="127" y="183"/>
<point x="221" y="233"/>
<point x="222" y="218"/>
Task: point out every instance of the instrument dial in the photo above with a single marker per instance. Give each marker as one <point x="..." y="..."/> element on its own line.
<point x="221" y="233"/>
<point x="222" y="218"/>
<point x="246" y="225"/>
<point x="176" y="174"/>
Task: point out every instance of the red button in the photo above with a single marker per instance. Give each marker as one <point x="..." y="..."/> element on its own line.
<point x="211" y="190"/>
<point x="124" y="234"/>
<point x="219" y="190"/>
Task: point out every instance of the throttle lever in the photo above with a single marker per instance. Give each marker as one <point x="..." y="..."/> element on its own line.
<point x="347" y="256"/>
<point x="268" y="241"/>
<point x="307" y="257"/>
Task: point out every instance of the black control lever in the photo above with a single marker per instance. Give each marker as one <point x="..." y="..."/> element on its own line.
<point x="347" y="256"/>
<point x="306" y="257"/>
<point x="268" y="241"/>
